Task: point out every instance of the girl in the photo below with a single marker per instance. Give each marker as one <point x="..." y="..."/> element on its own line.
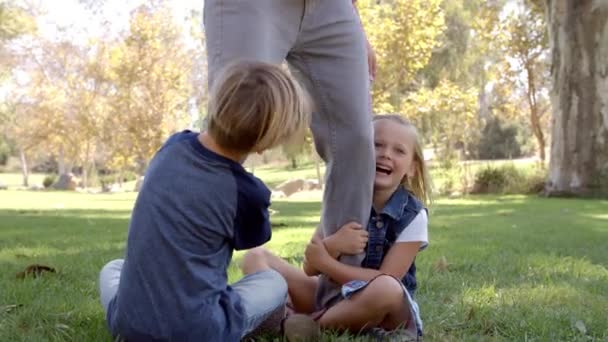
<point x="380" y="294"/>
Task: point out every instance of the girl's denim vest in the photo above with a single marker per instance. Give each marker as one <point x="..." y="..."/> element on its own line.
<point x="385" y="227"/>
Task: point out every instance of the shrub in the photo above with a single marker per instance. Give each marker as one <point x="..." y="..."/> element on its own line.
<point x="48" y="181"/>
<point x="499" y="141"/>
<point x="491" y="180"/>
<point x="509" y="178"/>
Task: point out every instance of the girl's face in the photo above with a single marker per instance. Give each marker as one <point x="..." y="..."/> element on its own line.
<point x="394" y="154"/>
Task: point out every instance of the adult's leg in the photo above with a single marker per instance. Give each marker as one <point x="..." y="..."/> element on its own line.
<point x="330" y="55"/>
<point x="261" y="30"/>
<point x="301" y="288"/>
<point x="109" y="278"/>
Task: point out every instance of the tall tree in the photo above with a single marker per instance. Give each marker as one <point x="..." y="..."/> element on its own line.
<point x="151" y="73"/>
<point x="14" y="22"/>
<point x="526" y="42"/>
<point x="578" y="35"/>
<point x="447" y="117"/>
<point x="403" y="33"/>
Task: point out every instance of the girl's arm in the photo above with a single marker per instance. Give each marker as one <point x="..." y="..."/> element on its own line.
<point x="349" y="239"/>
<point x="396" y="263"/>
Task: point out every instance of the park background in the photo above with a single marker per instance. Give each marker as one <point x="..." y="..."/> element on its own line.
<point x="509" y="96"/>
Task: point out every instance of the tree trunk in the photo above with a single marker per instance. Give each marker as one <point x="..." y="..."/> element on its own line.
<point x="578" y="34"/>
<point x="61" y="162"/>
<point x="24" y="169"/>
<point x="535" y="113"/>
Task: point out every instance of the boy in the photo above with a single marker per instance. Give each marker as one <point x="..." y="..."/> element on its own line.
<point x="196" y="206"/>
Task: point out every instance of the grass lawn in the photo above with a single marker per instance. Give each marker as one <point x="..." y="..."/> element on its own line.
<point x="520" y="268"/>
<point x="15" y="180"/>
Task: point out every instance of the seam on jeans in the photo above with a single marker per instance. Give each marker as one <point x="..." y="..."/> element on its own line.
<point x="324" y="111"/>
<point x="221" y="34"/>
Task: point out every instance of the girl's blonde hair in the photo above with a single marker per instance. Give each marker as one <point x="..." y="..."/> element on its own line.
<point x="255" y="106"/>
<point x="420" y="185"/>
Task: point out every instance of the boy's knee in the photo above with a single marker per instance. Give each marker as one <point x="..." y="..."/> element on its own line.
<point x="279" y="284"/>
<point x="254" y="260"/>
<point x="112" y="266"/>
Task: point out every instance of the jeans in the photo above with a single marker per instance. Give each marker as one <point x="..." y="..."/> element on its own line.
<point x="324" y="46"/>
<point x="261" y="293"/>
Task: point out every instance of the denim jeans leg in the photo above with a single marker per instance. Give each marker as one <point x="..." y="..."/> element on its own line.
<point x="109" y="278"/>
<point x="261" y="294"/>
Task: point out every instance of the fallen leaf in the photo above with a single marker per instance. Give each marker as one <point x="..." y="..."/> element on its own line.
<point x="35" y="271"/>
<point x="11" y="307"/>
<point x="580" y="326"/>
<point x="441" y="264"/>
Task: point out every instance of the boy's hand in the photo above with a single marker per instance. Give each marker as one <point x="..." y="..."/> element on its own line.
<point x="350" y="239"/>
<point x="315" y="254"/>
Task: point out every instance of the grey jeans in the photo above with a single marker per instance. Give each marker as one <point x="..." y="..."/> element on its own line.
<point x="324" y="45"/>
<point x="262" y="293"/>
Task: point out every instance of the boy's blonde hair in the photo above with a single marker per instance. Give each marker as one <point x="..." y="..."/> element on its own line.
<point x="255" y="106"/>
<point x="420" y="185"/>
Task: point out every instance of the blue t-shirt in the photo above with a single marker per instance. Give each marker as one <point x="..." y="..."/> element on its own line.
<point x="195" y="207"/>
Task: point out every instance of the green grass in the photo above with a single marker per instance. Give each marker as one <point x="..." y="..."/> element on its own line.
<point x="520" y="268"/>
<point x="274" y="175"/>
<point x="15" y="180"/>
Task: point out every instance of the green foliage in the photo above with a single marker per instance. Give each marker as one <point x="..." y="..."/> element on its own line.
<point x="150" y="72"/>
<point x="48" y="181"/>
<point x="14" y="21"/>
<point x="403" y="34"/>
<point x="446" y="117"/>
<point x="499" y="141"/>
<point x="463" y="47"/>
<point x="5" y="151"/>
<point x="509" y="179"/>
<point x="120" y="177"/>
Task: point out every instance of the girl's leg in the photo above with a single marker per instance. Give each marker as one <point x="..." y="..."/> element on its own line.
<point x="301" y="287"/>
<point x="380" y="304"/>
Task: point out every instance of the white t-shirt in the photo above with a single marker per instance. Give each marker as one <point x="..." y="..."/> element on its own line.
<point x="417" y="230"/>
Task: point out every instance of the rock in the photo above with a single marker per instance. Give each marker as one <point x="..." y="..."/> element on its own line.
<point x="277" y="194"/>
<point x="66" y="182"/>
<point x="36" y="187"/>
<point x="138" y="184"/>
<point x="112" y="188"/>
<point x="291" y="186"/>
<point x="311" y="184"/>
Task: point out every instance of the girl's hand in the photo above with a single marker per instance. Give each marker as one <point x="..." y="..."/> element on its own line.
<point x="316" y="254"/>
<point x="350" y="239"/>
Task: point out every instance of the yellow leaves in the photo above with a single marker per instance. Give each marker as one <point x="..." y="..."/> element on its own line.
<point x="446" y="114"/>
<point x="150" y="73"/>
<point x="403" y="34"/>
